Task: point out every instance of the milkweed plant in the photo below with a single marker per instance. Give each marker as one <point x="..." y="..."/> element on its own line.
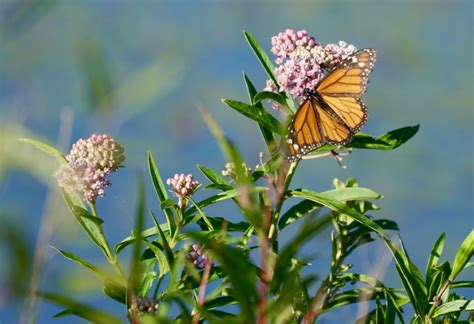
<point x="240" y="272"/>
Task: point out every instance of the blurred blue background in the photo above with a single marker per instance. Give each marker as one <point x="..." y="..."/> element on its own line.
<point x="139" y="70"/>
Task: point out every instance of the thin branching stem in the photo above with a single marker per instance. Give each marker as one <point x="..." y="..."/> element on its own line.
<point x="202" y="289"/>
<point x="317" y="305"/>
<point x="281" y="189"/>
<point x="267" y="272"/>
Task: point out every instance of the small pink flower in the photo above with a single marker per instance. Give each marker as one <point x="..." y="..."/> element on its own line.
<point x="182" y="186"/>
<point x="302" y="62"/>
<point x="336" y="53"/>
<point x="88" y="164"/>
<point x="198" y="257"/>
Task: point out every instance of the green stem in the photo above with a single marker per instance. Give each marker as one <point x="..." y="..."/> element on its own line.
<point x="272" y="233"/>
<point x="108" y="252"/>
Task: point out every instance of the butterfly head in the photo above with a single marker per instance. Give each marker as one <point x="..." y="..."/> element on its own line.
<point x="308" y="93"/>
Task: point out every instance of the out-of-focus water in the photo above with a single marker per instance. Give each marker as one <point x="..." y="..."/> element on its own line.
<point x="60" y="61"/>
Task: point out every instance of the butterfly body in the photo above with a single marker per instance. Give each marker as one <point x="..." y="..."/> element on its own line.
<point x="332" y="112"/>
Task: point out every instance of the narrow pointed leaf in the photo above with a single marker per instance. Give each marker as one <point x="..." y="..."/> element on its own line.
<point x="164" y="239"/>
<point x="242" y="274"/>
<point x="338" y="206"/>
<point x="115" y="291"/>
<point x="307" y="206"/>
<point x="266" y="134"/>
<point x="464" y="254"/>
<point x="78" y="309"/>
<point x="214" y="177"/>
<point x="388" y="141"/>
<point x="262" y="117"/>
<point x="135" y="266"/>
<point x="89" y="266"/>
<point x="268" y="95"/>
<point x="454" y="307"/>
<point x="45" y="148"/>
<point x="435" y="254"/>
<point x="261" y="56"/>
<point x="160" y="190"/>
<point x="149" y="232"/>
<point x="411" y="278"/>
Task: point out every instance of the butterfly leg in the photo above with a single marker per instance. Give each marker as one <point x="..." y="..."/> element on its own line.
<point x="338" y="156"/>
<point x="334" y="153"/>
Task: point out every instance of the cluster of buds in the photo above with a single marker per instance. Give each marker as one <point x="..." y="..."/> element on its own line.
<point x="229" y="170"/>
<point x="198" y="257"/>
<point x="142" y="305"/>
<point x="182" y="186"/>
<point x="302" y="62"/>
<point x="88" y="164"/>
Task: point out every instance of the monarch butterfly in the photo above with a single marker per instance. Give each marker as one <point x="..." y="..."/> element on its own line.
<point x="333" y="112"/>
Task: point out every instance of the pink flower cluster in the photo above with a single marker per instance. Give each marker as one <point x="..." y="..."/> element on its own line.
<point x="88" y="164"/>
<point x="302" y="62"/>
<point x="183" y="186"/>
<point x="198" y="257"/>
<point x="336" y="53"/>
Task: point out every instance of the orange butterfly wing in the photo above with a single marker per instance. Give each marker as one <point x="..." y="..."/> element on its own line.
<point x="313" y="127"/>
<point x="339" y="113"/>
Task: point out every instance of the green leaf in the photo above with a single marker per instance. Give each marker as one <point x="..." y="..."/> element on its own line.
<point x="84" y="213"/>
<point x="435" y="254"/>
<point x="361" y="295"/>
<point x="45" y="148"/>
<point x="245" y="188"/>
<point x="163" y="264"/>
<point x="409" y="274"/>
<point x="437" y="280"/>
<point x="308" y="206"/>
<point x="307" y="231"/>
<point x="149" y="232"/>
<point x="262" y="117"/>
<point x="204" y="218"/>
<point x="135" y="266"/>
<point x="168" y="250"/>
<point x="411" y="278"/>
<point x="283" y="308"/>
<point x="89" y="266"/>
<point x="261" y="56"/>
<point x="358" y="234"/>
<point x="241" y="272"/>
<point x="90" y="224"/>
<point x="147" y="273"/>
<point x="115" y="291"/>
<point x="464" y="254"/>
<point x="219" y="302"/>
<point x="266" y="134"/>
<point x="453" y="307"/>
<point x="462" y="284"/>
<point x="218" y="222"/>
<point x="213" y="176"/>
<point x="388" y="141"/>
<point x="268" y="95"/>
<point x="216" y="198"/>
<point x="168" y="203"/>
<point x="76" y="308"/>
<point x="385" y="313"/>
<point x="160" y="190"/>
<point x="337" y="206"/>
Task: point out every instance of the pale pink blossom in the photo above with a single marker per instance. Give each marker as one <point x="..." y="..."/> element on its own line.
<point x="88" y="164"/>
